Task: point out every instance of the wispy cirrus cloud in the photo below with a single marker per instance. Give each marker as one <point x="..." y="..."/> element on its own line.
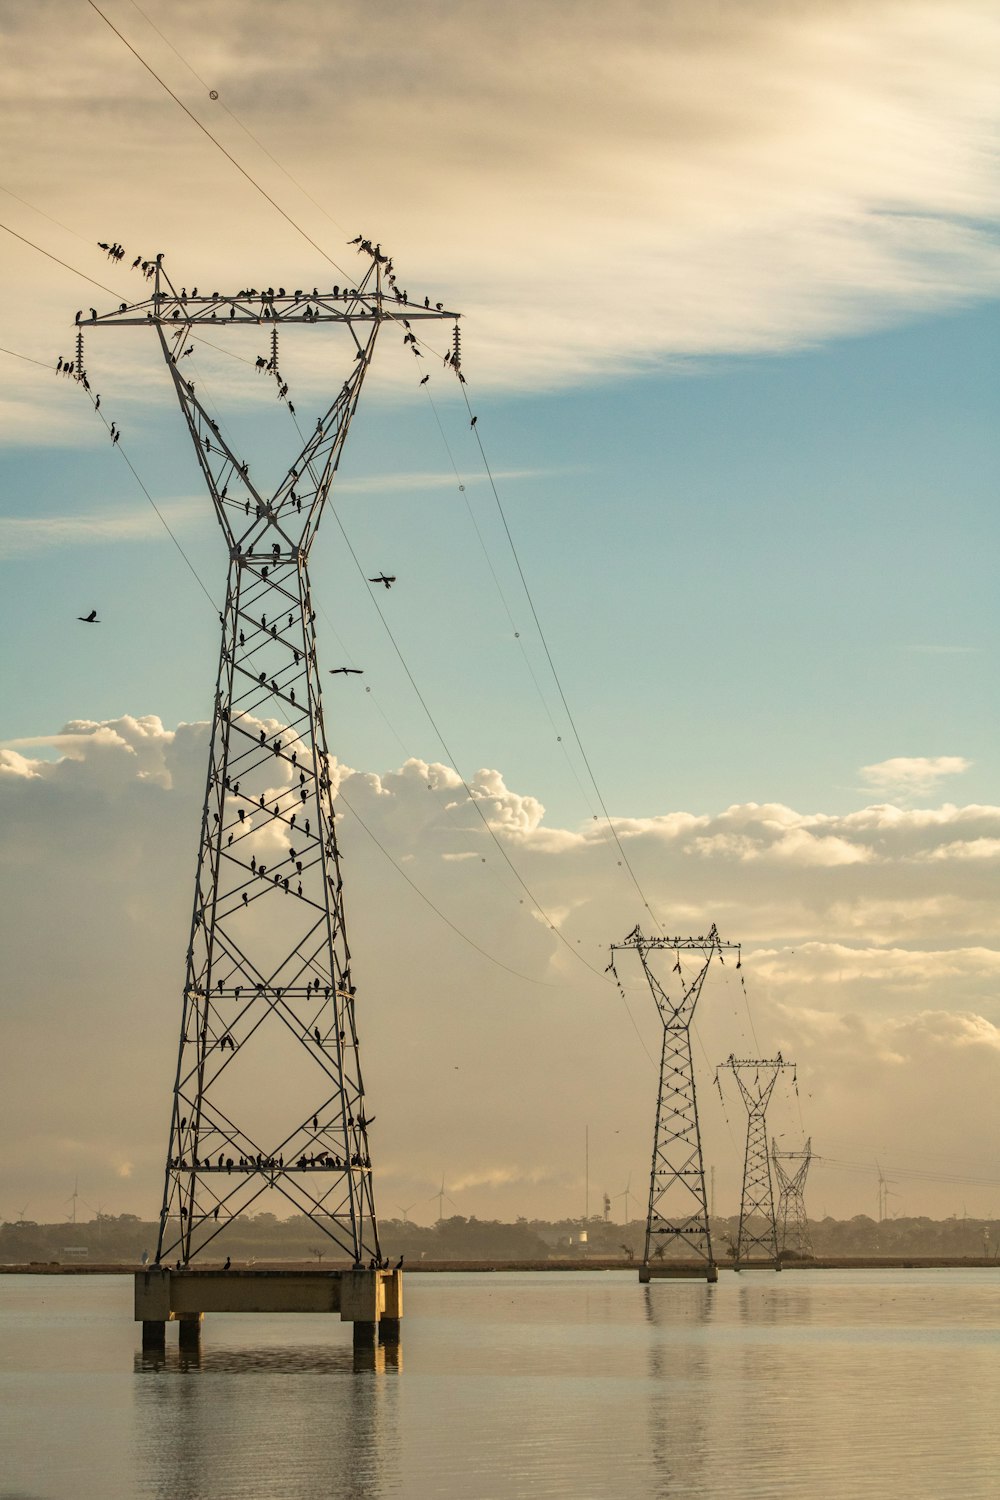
<point x="433" y="480"/>
<point x="23" y="536"/>
<point x="781" y="174"/>
<point x="911" y="775"/>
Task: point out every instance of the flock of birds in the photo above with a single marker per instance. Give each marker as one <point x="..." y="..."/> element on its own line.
<point x="115" y="252"/>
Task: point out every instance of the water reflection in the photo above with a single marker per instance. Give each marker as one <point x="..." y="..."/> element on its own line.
<point x="678" y="1315"/>
<point x="225" y="1419"/>
<point x="668" y="1303"/>
<point x="304" y="1360"/>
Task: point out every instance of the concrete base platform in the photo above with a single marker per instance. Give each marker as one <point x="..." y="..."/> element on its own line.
<point x="371" y="1300"/>
<point x="680" y="1270"/>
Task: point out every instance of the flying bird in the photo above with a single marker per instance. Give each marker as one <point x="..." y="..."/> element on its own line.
<point x="353" y="671"/>
<point x="90" y="619"/>
<point x="383" y="578"/>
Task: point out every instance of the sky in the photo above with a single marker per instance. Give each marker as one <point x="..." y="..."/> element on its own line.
<point x="712" y="577"/>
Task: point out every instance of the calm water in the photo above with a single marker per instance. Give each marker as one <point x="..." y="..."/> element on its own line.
<point x="814" y="1384"/>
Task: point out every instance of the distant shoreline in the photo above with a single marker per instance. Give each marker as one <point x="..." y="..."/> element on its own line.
<point x="825" y="1263"/>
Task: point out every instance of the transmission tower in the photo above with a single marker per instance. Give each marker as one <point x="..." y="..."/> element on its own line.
<point x="793" y="1226"/>
<point x="677" y="1219"/>
<point x="269" y="1091"/>
<point x="758" y="1229"/>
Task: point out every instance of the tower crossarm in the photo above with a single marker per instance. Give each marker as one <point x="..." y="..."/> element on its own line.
<point x="285" y="523"/>
<point x="676" y="1013"/>
<point x="756" y="1077"/>
<point x="709" y="942"/>
<point x="369" y="301"/>
<point x="795" y="1181"/>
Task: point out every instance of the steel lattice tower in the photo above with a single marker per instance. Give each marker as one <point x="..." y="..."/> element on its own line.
<point x="793" y="1226"/>
<point x="758" y="1228"/>
<point x="269" y="1091"/>
<point x="677" y="1217"/>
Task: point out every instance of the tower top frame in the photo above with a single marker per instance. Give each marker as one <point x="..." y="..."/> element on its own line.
<point x="375" y="296"/>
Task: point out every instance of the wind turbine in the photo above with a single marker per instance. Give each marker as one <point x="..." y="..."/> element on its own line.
<point x="74" y="1195"/>
<point x="406" y="1210"/>
<point x="441" y="1195"/>
<point x="626" y="1195"/>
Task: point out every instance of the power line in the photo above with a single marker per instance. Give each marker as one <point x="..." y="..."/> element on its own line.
<point x="163" y="520"/>
<point x="473" y="800"/>
<point x="506" y="605"/>
<point x="36" y="210"/>
<point x="65" y="264"/>
<point x="213" y="94"/>
<point x="552" y="666"/>
<point x="436" y="909"/>
<point x="14" y="355"/>
<point x="217" y="143"/>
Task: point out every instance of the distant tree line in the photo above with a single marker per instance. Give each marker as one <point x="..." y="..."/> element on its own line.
<point x="265" y="1237"/>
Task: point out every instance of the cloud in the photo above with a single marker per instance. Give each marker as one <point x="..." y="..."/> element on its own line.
<point x="912" y="776"/>
<point x="25" y="536"/>
<point x="776" y="175"/>
<point x="871" y="957"/>
<point x="382" y="484"/>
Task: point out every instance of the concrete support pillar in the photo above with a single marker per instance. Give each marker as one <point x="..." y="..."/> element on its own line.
<point x="189" y="1332"/>
<point x="713" y="1272"/>
<point x="154" y="1337"/>
<point x="365" y="1334"/>
<point x="392" y="1308"/>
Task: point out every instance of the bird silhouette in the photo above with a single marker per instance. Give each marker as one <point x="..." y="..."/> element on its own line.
<point x="383" y="578"/>
<point x="354" y="671"/>
<point x="90" y="619"/>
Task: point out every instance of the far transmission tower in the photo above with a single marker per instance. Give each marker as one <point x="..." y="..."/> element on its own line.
<point x="758" y="1229"/>
<point x="269" y="1091"/>
<point x="677" y="1219"/>
<point x="793" y="1226"/>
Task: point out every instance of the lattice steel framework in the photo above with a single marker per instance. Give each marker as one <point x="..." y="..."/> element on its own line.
<point x="793" y="1226"/>
<point x="269" y="1091"/>
<point x="677" y="1218"/>
<point x="758" y="1230"/>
